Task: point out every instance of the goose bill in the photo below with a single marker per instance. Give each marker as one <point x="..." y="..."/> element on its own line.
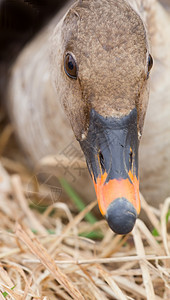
<point x="111" y="151"/>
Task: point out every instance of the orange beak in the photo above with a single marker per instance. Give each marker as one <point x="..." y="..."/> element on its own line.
<point x="111" y="150"/>
<point x="117" y="188"/>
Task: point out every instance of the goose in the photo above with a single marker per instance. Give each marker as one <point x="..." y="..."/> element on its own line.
<point x="93" y="72"/>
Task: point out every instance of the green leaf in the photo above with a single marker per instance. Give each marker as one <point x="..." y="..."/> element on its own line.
<point x="51" y="231"/>
<point x="168" y="216"/>
<point x="40" y="209"/>
<point x="5" y="294"/>
<point x="77" y="200"/>
<point x="155" y="232"/>
<point x="94" y="235"/>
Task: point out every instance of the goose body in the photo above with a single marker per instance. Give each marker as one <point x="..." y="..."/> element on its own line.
<point x="36" y="105"/>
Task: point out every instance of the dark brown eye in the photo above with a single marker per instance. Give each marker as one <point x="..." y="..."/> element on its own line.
<point x="150" y="64"/>
<point x="70" y="66"/>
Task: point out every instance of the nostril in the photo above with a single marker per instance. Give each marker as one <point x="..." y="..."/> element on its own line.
<point x="121" y="216"/>
<point x="101" y="159"/>
<point x="130" y="159"/>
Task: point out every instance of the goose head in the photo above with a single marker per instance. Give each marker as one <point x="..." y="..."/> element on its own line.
<point x="100" y="67"/>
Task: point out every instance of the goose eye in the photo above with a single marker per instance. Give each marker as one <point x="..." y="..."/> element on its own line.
<point x="70" y="66"/>
<point x="150" y="63"/>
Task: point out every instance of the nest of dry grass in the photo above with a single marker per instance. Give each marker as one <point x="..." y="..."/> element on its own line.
<point x="46" y="255"/>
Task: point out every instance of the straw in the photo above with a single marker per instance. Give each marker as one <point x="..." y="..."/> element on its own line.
<point x="44" y="256"/>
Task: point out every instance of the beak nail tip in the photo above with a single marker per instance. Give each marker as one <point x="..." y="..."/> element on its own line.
<point x="121" y="216"/>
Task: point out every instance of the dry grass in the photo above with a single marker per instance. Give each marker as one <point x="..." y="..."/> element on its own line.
<point x="44" y="256"/>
